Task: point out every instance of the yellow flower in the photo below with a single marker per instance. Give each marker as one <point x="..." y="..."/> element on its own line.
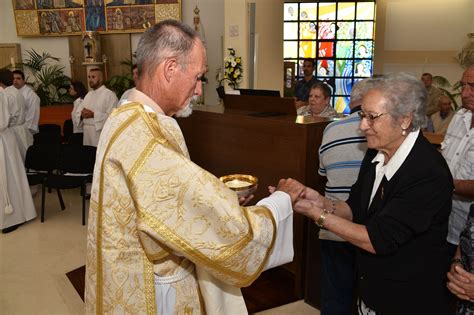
<point x="237" y="59"/>
<point x="231" y="69"/>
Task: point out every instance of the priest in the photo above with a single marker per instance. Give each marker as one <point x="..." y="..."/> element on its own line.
<point x="164" y="235"/>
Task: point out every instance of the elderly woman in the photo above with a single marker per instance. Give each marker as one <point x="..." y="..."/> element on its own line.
<point x="398" y="209"/>
<point x="319" y="97"/>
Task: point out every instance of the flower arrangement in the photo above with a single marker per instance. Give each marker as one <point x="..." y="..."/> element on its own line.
<point x="233" y="69"/>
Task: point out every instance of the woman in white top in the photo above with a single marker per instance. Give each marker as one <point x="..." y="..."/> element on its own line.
<point x="78" y="91"/>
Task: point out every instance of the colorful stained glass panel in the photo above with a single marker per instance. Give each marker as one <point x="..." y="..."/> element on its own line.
<point x="307" y="31"/>
<point x="362" y="68"/>
<point x="327" y="30"/>
<point x="365" y="10"/>
<point x="291" y="12"/>
<point x="363" y="49"/>
<point x="346" y="11"/>
<point x="344" y="68"/>
<point x="326" y="49"/>
<point x="290" y="49"/>
<point x="325" y="68"/>
<point x="344" y="49"/>
<point x="290" y="30"/>
<point x="341" y="104"/>
<point x="327" y="11"/>
<point x="364" y="30"/>
<point x="308" y="11"/>
<point x="345" y="30"/>
<point x="307" y="49"/>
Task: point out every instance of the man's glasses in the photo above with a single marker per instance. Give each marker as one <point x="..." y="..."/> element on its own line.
<point x="370" y="118"/>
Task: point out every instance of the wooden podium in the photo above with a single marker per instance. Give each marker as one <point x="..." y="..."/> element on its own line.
<point x="235" y="141"/>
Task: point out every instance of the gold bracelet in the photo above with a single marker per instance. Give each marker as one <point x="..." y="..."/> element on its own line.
<point x="320" y="221"/>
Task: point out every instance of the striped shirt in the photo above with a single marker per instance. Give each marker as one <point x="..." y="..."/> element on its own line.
<point x="341" y="153"/>
<point x="458" y="150"/>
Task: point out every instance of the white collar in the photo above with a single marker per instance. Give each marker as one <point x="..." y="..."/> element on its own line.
<point x="398" y="158"/>
<point x="138" y="96"/>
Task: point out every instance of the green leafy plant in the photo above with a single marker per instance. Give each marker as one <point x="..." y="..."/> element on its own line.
<point x="453" y="91"/>
<point x="50" y="82"/>
<point x="121" y="83"/>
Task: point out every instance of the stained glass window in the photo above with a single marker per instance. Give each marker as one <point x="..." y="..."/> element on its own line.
<point x="339" y="35"/>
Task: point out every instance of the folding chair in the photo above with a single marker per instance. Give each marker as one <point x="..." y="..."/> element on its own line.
<point x="76" y="168"/>
<point x="40" y="163"/>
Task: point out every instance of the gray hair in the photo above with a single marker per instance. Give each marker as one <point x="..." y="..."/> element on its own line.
<point x="167" y="39"/>
<point x="404" y="94"/>
<point x="358" y="90"/>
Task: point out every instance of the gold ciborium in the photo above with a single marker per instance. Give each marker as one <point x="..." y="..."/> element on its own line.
<point x="243" y="185"/>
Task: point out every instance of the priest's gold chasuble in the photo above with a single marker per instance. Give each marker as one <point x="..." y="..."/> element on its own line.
<point x="156" y="217"/>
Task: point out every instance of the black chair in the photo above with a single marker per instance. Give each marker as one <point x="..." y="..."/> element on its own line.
<point x="76" y="168"/>
<point x="68" y="130"/>
<point x="76" y="138"/>
<point x="41" y="161"/>
<point x="51" y="128"/>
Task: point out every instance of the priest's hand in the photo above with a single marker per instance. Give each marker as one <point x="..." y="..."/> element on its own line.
<point x="243" y="201"/>
<point x="292" y="187"/>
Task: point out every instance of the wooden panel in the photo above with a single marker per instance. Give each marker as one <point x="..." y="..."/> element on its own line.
<point x="260" y="103"/>
<point x="8" y="51"/>
<point x="78" y="71"/>
<point x="117" y="48"/>
<point x="269" y="148"/>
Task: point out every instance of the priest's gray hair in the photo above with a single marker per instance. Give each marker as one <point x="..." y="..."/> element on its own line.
<point x="404" y="94"/>
<point x="167" y="39"/>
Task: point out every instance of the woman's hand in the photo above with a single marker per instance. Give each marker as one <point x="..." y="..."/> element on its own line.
<point x="308" y="208"/>
<point x="461" y="282"/>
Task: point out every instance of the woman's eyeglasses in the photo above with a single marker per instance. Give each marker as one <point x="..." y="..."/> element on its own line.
<point x="370" y="118"/>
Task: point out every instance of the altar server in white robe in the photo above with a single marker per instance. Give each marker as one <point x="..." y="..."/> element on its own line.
<point x="16" y="204"/>
<point x="32" y="101"/>
<point x="164" y="235"/>
<point x="17" y="110"/>
<point x="92" y="113"/>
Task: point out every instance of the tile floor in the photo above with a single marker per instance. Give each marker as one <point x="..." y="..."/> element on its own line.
<point x="35" y="258"/>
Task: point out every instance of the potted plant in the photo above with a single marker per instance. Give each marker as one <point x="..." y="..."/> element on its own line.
<point x="50" y="82"/>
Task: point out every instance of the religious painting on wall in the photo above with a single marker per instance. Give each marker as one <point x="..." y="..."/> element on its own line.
<point x="73" y="17"/>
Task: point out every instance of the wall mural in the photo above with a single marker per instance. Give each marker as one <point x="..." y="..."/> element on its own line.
<point x="72" y="17"/>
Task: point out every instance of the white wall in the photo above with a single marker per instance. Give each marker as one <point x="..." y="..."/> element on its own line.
<point x="422" y="36"/>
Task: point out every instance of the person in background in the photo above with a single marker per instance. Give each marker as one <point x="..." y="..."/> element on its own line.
<point x="135" y="78"/>
<point x="32" y="100"/>
<point x="92" y="113"/>
<point x="433" y="94"/>
<point x="165" y="236"/>
<point x="458" y="149"/>
<point x="78" y="91"/>
<point x="303" y="86"/>
<point x="442" y="118"/>
<point x="398" y="209"/>
<point x="16" y="203"/>
<point x="341" y="153"/>
<point x="318" y="105"/>
<point x="17" y="109"/>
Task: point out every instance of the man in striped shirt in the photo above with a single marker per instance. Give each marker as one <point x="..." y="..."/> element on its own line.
<point x="342" y="149"/>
